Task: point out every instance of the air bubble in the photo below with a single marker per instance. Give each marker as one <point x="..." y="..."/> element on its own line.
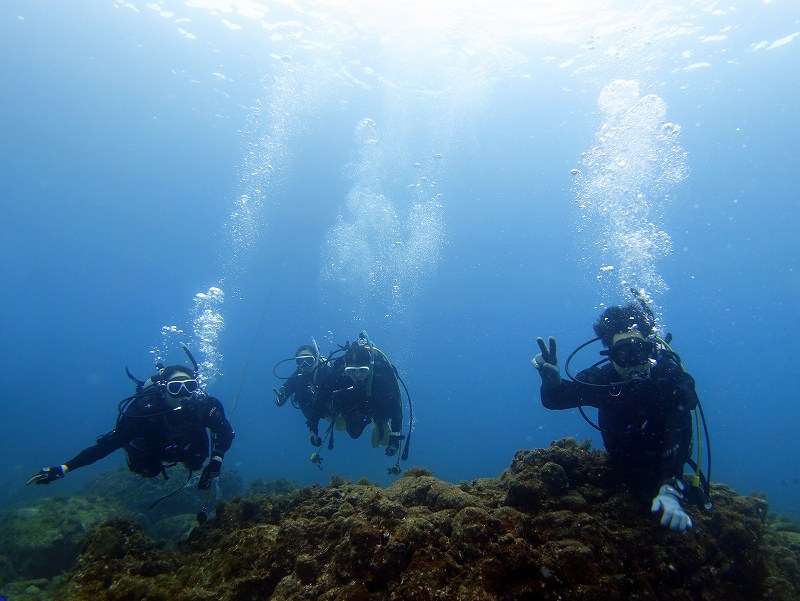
<point x="624" y="183"/>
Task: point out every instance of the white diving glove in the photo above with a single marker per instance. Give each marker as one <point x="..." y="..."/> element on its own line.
<point x="668" y="500"/>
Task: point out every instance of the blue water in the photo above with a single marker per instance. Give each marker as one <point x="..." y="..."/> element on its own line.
<point x="370" y="166"/>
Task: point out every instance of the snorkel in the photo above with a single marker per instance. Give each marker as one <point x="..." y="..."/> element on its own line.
<point x="192" y="359"/>
<point x="641" y="298"/>
<point x="363" y="340"/>
<point x="316" y="352"/>
<point x="139" y="383"/>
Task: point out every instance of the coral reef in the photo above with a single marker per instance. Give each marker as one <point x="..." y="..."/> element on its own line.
<point x="557" y="524"/>
<point x="260" y="486"/>
<point x="42" y="540"/>
<point x="125" y="489"/>
<point x="165" y="511"/>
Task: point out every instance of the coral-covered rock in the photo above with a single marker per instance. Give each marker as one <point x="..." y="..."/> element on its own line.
<point x="558" y="524"/>
<point x="41" y="540"/>
<point x="153" y="499"/>
<point x="119" y="562"/>
<point x="429" y="492"/>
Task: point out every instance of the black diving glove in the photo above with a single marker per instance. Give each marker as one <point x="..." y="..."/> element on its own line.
<point x="315" y="440"/>
<point x="48" y="474"/>
<point x="210" y="472"/>
<point x="280" y="397"/>
<point x="394" y="444"/>
<point x="546" y="363"/>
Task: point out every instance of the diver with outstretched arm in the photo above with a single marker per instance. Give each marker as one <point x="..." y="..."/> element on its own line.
<point x="166" y="422"/>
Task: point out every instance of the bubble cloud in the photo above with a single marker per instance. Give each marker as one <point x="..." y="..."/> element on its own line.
<point x="624" y="189"/>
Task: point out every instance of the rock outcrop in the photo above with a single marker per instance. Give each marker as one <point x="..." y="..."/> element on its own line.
<point x="557" y="524"/>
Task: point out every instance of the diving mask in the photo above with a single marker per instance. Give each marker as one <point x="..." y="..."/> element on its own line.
<point x="181" y="387"/>
<point x="305" y="361"/>
<point x="631" y="352"/>
<point x="357" y="374"/>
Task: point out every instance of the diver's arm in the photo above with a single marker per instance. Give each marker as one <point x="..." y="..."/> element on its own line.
<point x="106" y="444"/>
<point x="394" y="407"/>
<point x="677" y="439"/>
<point x="295" y="382"/>
<point x="222" y="433"/>
<point x="676" y="450"/>
<point x="312" y="423"/>
<point x="321" y="405"/>
<point x="686" y="393"/>
<point x="680" y="399"/>
<point x="387" y="397"/>
<point x="313" y="413"/>
<point x="290" y="386"/>
<point x="569" y="394"/>
<point x="668" y="374"/>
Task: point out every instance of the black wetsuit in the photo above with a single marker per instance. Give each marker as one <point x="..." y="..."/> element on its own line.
<point x="645" y="424"/>
<point x="153" y="434"/>
<point x="382" y="404"/>
<point x="302" y="385"/>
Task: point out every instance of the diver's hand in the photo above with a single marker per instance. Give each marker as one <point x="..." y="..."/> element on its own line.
<point x="315" y="440"/>
<point x="280" y="398"/>
<point x="210" y="472"/>
<point x="48" y="474"/>
<point x="394" y="444"/>
<point x="546" y="363"/>
<point x="668" y="500"/>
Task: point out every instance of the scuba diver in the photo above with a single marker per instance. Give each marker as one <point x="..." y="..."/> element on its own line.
<point x="161" y="425"/>
<point x="355" y="385"/>
<point x="363" y="388"/>
<point x="644" y="399"/>
<point x="301" y="387"/>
